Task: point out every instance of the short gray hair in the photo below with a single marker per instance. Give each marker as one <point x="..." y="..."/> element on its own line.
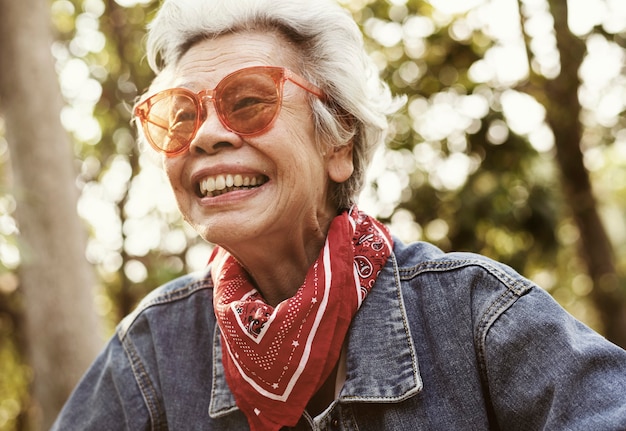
<point x="332" y="56"/>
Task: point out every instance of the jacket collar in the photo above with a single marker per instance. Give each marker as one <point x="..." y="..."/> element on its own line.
<point x="381" y="364"/>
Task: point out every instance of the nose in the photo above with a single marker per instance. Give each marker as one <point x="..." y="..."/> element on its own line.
<point x="212" y="136"/>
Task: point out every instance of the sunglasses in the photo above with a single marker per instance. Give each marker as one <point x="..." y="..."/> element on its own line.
<point x="246" y="101"/>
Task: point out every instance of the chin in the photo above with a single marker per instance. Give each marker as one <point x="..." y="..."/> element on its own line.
<point x="221" y="233"/>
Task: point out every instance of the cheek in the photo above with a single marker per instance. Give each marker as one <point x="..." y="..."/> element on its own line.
<point x="299" y="137"/>
<point x="296" y="116"/>
<point x="304" y="160"/>
<point x="173" y="172"/>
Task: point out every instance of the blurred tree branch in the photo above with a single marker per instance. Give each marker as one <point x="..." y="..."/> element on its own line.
<point x="563" y="112"/>
<point x="55" y="279"/>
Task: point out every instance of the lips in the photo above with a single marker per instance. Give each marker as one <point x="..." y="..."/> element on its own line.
<point x="224" y="183"/>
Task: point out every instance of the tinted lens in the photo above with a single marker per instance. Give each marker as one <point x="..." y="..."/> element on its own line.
<point x="248" y="101"/>
<point x="172" y="120"/>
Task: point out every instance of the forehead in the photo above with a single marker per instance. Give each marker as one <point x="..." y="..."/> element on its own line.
<point x="208" y="61"/>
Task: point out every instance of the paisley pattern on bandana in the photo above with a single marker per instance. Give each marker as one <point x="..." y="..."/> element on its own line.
<point x="276" y="358"/>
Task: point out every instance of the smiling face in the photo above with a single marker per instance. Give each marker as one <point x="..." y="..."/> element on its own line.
<point x="245" y="193"/>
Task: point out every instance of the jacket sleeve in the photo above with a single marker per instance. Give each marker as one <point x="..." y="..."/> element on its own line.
<point x="108" y="397"/>
<point x="546" y="370"/>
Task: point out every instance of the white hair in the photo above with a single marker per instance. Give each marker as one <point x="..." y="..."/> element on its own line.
<point x="332" y="56"/>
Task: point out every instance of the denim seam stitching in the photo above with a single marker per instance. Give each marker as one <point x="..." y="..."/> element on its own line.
<point x="518" y="287"/>
<point x="225" y="410"/>
<point x="414" y="361"/>
<point x="407" y="332"/>
<point x="495" y="310"/>
<point x="347" y="416"/>
<point x="515" y="288"/>
<point x="489" y="317"/>
<point x="163" y="298"/>
<point x="145" y="385"/>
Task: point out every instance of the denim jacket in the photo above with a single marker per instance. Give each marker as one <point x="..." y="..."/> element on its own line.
<point x="442" y="342"/>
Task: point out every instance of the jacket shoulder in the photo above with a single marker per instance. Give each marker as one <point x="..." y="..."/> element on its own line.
<point x="417" y="258"/>
<point x="172" y="292"/>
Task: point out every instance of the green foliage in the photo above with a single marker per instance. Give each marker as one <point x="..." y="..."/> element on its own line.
<point x="15" y="376"/>
<point x="473" y="183"/>
<point x="502" y="209"/>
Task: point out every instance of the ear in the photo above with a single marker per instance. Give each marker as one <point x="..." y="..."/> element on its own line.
<point x="339" y="163"/>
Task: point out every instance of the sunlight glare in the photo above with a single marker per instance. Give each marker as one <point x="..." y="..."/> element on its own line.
<point x="135" y="271"/>
<point x="403" y="225"/>
<point x="386" y="33"/>
<point x="542" y="138"/>
<point x="604" y="62"/>
<point x="523" y="113"/>
<point x="101" y="214"/>
<point x="142" y="235"/>
<point x="9" y="255"/>
<point x="150" y="191"/>
<point x="615" y="19"/>
<point x="452" y="172"/>
<point x="583" y="15"/>
<point x="508" y="63"/>
<point x="115" y="179"/>
<point x="501" y="20"/>
<point x="455" y="7"/>
<point x="197" y="256"/>
<point x="174" y="241"/>
<point x="94" y="7"/>
<point x="131" y="3"/>
<point x="437" y="230"/>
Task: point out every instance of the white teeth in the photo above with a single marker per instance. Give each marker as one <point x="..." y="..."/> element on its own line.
<point x="220" y="182"/>
<point x="224" y="183"/>
<point x="209" y="184"/>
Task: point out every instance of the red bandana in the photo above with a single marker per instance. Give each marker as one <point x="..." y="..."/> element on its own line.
<point x="275" y="359"/>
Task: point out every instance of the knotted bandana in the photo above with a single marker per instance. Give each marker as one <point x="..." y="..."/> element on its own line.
<point x="275" y="359"/>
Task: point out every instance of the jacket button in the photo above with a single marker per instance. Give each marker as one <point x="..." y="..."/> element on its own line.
<point x="334" y="423"/>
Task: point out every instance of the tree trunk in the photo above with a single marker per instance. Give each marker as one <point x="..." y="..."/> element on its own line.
<point x="57" y="283"/>
<point x="563" y="115"/>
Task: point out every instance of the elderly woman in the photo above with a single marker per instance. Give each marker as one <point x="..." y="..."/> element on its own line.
<point x="310" y="315"/>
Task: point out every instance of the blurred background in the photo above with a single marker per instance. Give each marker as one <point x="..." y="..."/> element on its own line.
<point x="512" y="144"/>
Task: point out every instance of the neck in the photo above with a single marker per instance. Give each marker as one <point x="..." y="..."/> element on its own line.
<point x="279" y="268"/>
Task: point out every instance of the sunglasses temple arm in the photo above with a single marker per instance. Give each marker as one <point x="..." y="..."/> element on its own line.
<point x="304" y="84"/>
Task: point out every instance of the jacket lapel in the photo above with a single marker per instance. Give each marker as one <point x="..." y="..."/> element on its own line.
<point x="381" y="364"/>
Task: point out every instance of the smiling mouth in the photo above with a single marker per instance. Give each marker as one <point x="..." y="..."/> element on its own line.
<point x="220" y="184"/>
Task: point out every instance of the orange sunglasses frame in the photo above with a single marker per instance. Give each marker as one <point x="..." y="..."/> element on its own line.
<point x="278" y="74"/>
